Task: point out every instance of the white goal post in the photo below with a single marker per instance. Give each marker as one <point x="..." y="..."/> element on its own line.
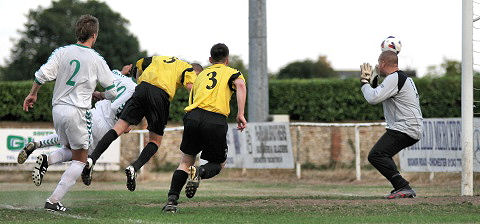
<point x="467" y="98"/>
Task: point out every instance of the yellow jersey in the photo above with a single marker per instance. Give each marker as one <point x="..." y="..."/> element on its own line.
<point x="167" y="73"/>
<point x="213" y="89"/>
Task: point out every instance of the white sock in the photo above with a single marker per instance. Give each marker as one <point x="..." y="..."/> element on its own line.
<point x="60" y="155"/>
<point x="68" y="179"/>
<point x="49" y="140"/>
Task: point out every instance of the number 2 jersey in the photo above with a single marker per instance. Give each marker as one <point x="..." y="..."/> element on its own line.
<point x="213" y="89"/>
<point x="76" y="69"/>
<point x="110" y="110"/>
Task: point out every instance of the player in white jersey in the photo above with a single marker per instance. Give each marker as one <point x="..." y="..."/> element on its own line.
<point x="76" y="69"/>
<point x="104" y="116"/>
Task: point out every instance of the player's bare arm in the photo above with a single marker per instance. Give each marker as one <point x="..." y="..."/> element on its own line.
<point x="31" y="97"/>
<point x="241" y="98"/>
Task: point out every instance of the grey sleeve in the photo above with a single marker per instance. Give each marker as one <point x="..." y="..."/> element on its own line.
<point x="387" y="89"/>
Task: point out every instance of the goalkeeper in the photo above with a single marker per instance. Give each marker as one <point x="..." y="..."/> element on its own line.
<point x="401" y="108"/>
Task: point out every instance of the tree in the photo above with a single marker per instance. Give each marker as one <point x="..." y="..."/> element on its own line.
<point x="49" y="28"/>
<point x="307" y="69"/>
<point x="448" y="68"/>
<point x="236" y="62"/>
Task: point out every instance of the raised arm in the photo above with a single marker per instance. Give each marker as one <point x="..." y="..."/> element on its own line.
<point x="387" y="89"/>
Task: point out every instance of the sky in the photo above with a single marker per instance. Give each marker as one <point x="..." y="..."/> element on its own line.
<point x="348" y="32"/>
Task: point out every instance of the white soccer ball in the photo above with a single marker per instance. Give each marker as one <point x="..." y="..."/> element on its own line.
<point x="391" y="43"/>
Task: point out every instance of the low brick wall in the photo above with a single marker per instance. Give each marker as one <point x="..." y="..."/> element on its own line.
<point x="318" y="146"/>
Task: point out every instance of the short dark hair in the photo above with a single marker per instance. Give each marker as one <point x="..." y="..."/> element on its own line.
<point x="219" y="52"/>
<point x="86" y="26"/>
<point x="197" y="66"/>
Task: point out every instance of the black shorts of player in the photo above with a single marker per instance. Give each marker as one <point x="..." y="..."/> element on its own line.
<point x="150" y="102"/>
<point x="205" y="132"/>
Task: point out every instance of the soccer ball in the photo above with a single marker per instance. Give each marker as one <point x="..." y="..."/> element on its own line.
<point x="391" y="43"/>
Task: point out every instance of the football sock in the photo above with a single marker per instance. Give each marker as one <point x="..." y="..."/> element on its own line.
<point x="147" y="153"/>
<point x="68" y="179"/>
<point x="399" y="182"/>
<point x="49" y="140"/>
<point x="103" y="144"/>
<point x="179" y="179"/>
<point x="209" y="170"/>
<point x="60" y="155"/>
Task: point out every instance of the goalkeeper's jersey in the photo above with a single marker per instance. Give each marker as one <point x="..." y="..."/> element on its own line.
<point x="76" y="69"/>
<point x="213" y="89"/>
<point x="167" y="73"/>
<point x="111" y="110"/>
<point x="401" y="105"/>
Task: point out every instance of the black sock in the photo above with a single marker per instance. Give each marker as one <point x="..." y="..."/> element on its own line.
<point x="179" y="179"/>
<point x="147" y="153"/>
<point x="103" y="144"/>
<point x="399" y="182"/>
<point x="209" y="170"/>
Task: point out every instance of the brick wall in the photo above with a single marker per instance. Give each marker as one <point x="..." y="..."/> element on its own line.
<point x="319" y="146"/>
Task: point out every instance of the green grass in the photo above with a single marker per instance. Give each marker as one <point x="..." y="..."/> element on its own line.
<point x="224" y="201"/>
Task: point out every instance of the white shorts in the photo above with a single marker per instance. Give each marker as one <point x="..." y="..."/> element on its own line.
<point x="73" y="126"/>
<point x="100" y="128"/>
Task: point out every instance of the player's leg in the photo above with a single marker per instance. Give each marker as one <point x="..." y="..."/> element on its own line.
<point x="43" y="161"/>
<point x="60" y="155"/>
<point x="49" y="140"/>
<point x="68" y="179"/>
<point x="213" y="137"/>
<point x="156" y="113"/>
<point x="132" y="114"/>
<point x="59" y="123"/>
<point x="179" y="179"/>
<point x="381" y="158"/>
<point x="190" y="147"/>
<point x="73" y="127"/>
<point x="107" y="139"/>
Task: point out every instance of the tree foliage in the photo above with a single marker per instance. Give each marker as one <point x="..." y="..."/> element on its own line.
<point x="308" y="69"/>
<point x="49" y="28"/>
<point x="236" y="62"/>
<point x="447" y="68"/>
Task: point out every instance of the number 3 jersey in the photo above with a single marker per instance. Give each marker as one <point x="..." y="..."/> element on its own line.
<point x="213" y="89"/>
<point x="76" y="69"/>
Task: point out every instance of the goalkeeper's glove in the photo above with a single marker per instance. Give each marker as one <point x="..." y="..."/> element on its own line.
<point x="366" y="73"/>
<point x="375" y="77"/>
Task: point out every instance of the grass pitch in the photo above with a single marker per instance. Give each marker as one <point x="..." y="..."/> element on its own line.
<point x="240" y="201"/>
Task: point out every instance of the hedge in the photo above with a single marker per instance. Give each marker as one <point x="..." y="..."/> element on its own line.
<point x="320" y="100"/>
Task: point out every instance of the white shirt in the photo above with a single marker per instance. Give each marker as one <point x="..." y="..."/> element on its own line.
<point x="76" y="69"/>
<point x="125" y="87"/>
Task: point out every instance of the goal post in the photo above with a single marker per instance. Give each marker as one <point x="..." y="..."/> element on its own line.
<point x="467" y="98"/>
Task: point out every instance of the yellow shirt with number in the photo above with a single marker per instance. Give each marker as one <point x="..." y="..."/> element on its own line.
<point x="213" y="89"/>
<point x="168" y="73"/>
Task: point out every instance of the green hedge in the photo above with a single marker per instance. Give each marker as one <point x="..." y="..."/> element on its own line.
<point x="342" y="100"/>
<point x="320" y="100"/>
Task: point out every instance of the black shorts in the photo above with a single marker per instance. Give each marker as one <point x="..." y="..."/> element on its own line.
<point x="150" y="102"/>
<point x="205" y="132"/>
